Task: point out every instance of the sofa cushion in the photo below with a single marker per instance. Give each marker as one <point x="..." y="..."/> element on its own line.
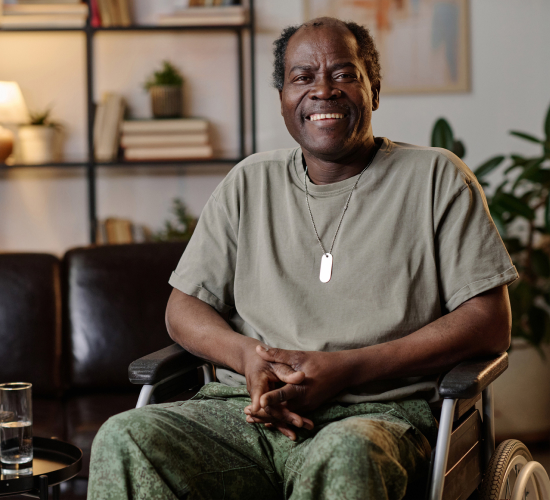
<point x="30" y="321"/>
<point x="116" y="300"/>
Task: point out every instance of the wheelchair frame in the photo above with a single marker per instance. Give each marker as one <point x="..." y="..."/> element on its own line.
<point x="162" y="377"/>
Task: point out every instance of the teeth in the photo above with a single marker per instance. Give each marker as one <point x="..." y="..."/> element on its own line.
<point x="324" y="116"/>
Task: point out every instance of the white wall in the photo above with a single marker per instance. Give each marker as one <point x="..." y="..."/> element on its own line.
<point x="45" y="210"/>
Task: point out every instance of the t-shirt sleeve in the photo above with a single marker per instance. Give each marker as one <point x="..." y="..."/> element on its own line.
<point x="206" y="269"/>
<point x="472" y="257"/>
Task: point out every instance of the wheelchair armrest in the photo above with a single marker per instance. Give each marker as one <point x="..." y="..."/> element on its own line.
<point x="471" y="377"/>
<point x="159" y="365"/>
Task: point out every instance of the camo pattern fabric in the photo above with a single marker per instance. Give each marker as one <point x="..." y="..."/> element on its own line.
<point x="203" y="448"/>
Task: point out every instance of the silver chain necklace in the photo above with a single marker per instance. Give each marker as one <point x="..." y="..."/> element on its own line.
<point x="326" y="261"/>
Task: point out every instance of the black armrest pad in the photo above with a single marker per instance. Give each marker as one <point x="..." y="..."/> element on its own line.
<point x="469" y="378"/>
<point x="161" y="364"/>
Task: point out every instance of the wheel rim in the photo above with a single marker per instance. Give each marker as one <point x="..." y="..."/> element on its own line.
<point x="510" y="477"/>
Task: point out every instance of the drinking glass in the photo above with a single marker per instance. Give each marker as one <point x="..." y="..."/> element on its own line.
<point x="16" y="428"/>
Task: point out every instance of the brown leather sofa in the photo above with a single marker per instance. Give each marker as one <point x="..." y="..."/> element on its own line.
<point x="73" y="326"/>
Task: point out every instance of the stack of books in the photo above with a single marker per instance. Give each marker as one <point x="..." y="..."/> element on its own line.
<point x="173" y="139"/>
<point x="211" y="14"/>
<point x="114" y="231"/>
<point x="108" y="120"/>
<point x="108" y="13"/>
<point x="43" y="14"/>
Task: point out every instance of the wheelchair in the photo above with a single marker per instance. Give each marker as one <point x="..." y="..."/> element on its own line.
<point x="464" y="459"/>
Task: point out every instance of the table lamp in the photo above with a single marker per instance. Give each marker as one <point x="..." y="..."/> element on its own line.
<point x="13" y="110"/>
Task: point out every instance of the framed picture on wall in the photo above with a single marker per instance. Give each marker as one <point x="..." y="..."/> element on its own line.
<point x="423" y="44"/>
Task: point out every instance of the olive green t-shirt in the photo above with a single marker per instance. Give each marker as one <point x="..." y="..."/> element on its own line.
<point x="416" y="241"/>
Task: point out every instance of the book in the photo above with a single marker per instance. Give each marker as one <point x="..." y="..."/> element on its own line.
<point x="105" y="12"/>
<point x="195" y="20"/>
<point x="43" y="21"/>
<point x="211" y="11"/>
<point x="125" y="17"/>
<point x="34" y="9"/>
<point x="172" y="153"/>
<point x="95" y="17"/>
<point x="163" y="140"/>
<point x="108" y="127"/>
<point x="118" y="231"/>
<point x="48" y="1"/>
<point x="164" y="126"/>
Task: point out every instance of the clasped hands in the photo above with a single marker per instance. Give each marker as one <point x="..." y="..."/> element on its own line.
<point x="284" y="384"/>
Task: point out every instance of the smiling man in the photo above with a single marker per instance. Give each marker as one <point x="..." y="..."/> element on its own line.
<point x="330" y="284"/>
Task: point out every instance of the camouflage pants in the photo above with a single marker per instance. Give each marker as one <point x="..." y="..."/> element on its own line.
<point x="204" y="449"/>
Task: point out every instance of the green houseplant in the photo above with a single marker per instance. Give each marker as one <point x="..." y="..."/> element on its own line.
<point x="520" y="208"/>
<point x="165" y="88"/>
<point x="519" y="205"/>
<point x="180" y="227"/>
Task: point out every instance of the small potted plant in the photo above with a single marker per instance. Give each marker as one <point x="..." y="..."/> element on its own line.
<point x="165" y="89"/>
<point x="39" y="140"/>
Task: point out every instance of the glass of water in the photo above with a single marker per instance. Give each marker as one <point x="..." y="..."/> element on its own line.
<point x="16" y="428"/>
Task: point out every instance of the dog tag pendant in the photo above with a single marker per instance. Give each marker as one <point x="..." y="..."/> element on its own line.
<point x="326" y="268"/>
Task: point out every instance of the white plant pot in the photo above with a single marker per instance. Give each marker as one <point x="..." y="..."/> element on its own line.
<point x="522" y="395"/>
<point x="37" y="144"/>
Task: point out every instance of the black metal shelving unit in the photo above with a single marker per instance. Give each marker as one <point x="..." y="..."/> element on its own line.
<point x="91" y="164"/>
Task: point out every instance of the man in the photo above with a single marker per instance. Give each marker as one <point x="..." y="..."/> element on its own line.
<point x="330" y="284"/>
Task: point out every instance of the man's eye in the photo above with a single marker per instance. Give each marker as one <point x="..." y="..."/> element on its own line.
<point x="301" y="78"/>
<point x="346" y="76"/>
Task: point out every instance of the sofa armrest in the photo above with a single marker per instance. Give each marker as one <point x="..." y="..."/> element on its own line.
<point x="159" y="365"/>
<point x="471" y="377"/>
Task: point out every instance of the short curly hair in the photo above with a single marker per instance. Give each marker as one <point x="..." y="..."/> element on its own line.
<point x="367" y="50"/>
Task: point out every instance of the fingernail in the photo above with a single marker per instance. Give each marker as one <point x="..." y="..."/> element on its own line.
<point x="247" y="411"/>
<point x="265" y="348"/>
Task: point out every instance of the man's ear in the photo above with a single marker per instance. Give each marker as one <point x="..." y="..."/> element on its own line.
<point x="281" y="100"/>
<point x="375" y="95"/>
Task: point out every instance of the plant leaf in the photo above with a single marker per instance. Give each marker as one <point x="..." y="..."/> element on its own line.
<point x="540" y="263"/>
<point x="488" y="166"/>
<point x="547" y="214"/>
<point x="514" y="206"/>
<point x="499" y="223"/>
<point x="547" y="125"/>
<point x="527" y="137"/>
<point x="442" y="135"/>
<point x="459" y="149"/>
<point x="530" y="170"/>
<point x="537" y="324"/>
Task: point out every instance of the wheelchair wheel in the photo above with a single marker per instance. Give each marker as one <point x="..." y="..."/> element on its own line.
<point x="503" y="470"/>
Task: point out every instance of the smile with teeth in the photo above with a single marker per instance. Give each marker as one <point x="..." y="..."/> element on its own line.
<point x="327" y="116"/>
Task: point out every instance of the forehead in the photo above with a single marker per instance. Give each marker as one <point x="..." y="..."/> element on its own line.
<point x="315" y="44"/>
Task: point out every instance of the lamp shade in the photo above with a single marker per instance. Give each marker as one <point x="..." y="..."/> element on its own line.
<point x="12" y="105"/>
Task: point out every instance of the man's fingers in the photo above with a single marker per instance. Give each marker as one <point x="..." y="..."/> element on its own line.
<point x="257" y="388"/>
<point x="272" y="354"/>
<point x="278" y="396"/>
<point x="285" y="430"/>
<point x="287" y="375"/>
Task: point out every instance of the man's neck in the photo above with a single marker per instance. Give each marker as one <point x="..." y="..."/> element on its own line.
<point x="322" y="171"/>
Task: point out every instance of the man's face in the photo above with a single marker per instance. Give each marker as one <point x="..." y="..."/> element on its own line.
<point x="324" y="75"/>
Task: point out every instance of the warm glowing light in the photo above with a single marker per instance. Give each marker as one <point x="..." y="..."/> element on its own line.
<point x="12" y="105"/>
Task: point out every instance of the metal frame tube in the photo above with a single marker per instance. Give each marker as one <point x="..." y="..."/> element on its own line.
<point x="208" y="373"/>
<point x="488" y="426"/>
<point x="442" y="448"/>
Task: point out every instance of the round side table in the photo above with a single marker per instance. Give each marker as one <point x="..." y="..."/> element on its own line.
<point x="54" y="462"/>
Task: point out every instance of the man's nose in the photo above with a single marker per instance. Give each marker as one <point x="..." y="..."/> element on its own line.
<point x="324" y="89"/>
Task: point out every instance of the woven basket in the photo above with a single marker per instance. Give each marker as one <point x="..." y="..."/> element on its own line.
<point x="166" y="101"/>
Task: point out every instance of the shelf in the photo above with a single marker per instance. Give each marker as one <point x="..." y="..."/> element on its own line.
<point x="126" y="164"/>
<point x="225" y="27"/>
<point x="143" y="163"/>
<point x="4" y="166"/>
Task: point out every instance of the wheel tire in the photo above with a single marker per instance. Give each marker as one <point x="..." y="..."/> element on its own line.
<point x="496" y="473"/>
